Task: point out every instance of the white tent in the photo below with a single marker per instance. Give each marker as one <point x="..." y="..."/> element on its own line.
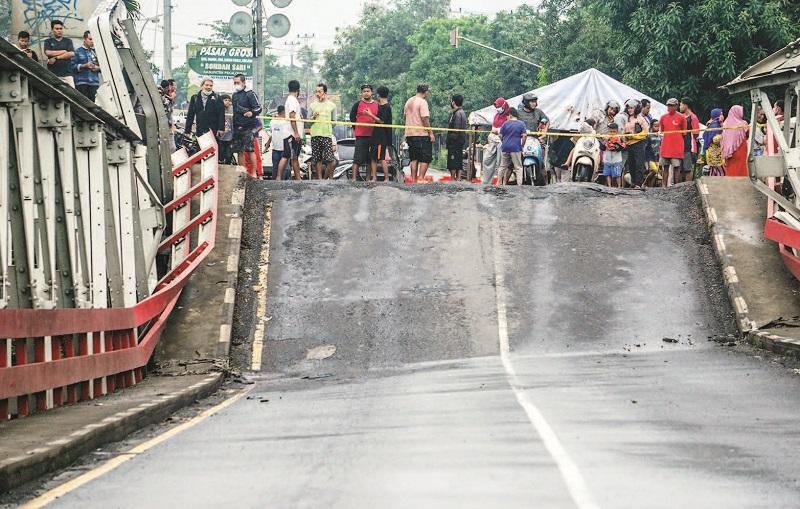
<point x="570" y="101"/>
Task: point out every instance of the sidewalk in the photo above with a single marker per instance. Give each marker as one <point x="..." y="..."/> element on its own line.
<point x="48" y="441"/>
<point x="765" y="295"/>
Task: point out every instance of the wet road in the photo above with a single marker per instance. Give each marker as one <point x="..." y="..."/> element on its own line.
<point x="468" y="348"/>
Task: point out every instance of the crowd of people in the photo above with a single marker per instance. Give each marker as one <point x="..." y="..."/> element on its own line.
<point x="77" y="67"/>
<point x="633" y="144"/>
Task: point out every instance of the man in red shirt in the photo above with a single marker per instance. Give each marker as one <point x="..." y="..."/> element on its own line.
<point x="364" y="111"/>
<point x="671" y="158"/>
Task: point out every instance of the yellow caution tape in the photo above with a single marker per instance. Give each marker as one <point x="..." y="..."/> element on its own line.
<point x="478" y="131"/>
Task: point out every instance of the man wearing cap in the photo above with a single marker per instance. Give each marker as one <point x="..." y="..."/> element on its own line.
<point x="364" y="111"/>
<point x="671" y="158"/>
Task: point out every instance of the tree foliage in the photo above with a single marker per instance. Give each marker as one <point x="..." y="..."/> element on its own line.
<point x="665" y="48"/>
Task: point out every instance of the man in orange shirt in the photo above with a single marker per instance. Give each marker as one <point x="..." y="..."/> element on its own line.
<point x="419" y="134"/>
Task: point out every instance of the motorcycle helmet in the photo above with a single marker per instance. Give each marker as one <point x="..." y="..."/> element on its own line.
<point x="637" y="106"/>
<point x="528" y="97"/>
<point x="612" y="104"/>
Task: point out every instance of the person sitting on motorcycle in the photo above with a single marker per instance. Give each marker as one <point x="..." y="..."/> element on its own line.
<point x="611" y="112"/>
<point x="529" y="113"/>
<point x="587" y="127"/>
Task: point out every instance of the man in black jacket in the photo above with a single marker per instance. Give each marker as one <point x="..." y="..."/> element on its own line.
<point x="207" y="109"/>
<point x="456" y="139"/>
<point x="246" y="110"/>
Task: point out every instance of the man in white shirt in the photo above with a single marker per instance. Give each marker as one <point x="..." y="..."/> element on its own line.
<point x="291" y="148"/>
<point x="279" y="131"/>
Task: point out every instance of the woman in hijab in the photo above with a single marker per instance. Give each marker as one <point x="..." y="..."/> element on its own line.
<point x="491" y="151"/>
<point x="734" y="143"/>
<point x="712" y="127"/>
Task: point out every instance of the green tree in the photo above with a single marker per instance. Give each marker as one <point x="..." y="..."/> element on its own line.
<point x="376" y="49"/>
<point x="221" y="34"/>
<point x="308" y="57"/>
<point x="694" y="47"/>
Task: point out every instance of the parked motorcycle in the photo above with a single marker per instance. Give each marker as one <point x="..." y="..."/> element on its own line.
<point x="585" y="159"/>
<point x="533" y="163"/>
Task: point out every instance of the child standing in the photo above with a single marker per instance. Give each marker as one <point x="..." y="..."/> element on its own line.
<point x="225" y="139"/>
<point x="514" y="133"/>
<point x="714" y="160"/>
<point x="279" y="131"/>
<point x="654" y="143"/>
<point x="612" y="158"/>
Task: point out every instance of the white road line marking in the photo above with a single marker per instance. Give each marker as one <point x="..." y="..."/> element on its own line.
<point x="261" y="294"/>
<point x="712" y="215"/>
<point x="113" y="463"/>
<point x="230" y="296"/>
<point x="576" y="485"/>
<point x="225" y="333"/>
<point x="741" y="305"/>
<point x="720" y="243"/>
<point x="233" y="263"/>
<point x="235" y="228"/>
<point x="730" y="274"/>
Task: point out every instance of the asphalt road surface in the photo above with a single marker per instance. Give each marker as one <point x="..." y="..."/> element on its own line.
<point x="457" y="347"/>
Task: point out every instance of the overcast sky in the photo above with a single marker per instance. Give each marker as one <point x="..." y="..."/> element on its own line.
<point x="317" y="17"/>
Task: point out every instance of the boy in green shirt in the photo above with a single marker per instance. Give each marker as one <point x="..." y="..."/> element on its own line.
<point x="322" y="112"/>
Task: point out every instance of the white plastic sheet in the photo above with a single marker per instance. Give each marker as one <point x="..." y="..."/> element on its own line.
<point x="570" y="101"/>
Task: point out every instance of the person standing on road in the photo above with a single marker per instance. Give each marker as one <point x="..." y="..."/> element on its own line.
<point x="246" y="109"/>
<point x="169" y="105"/>
<point x="59" y="52"/>
<point x="364" y="111"/>
<point x="419" y="135"/>
<point x="279" y="131"/>
<point x="713" y="128"/>
<point x="225" y="139"/>
<point x="513" y="133"/>
<point x="491" y="151"/>
<point x="636" y="129"/>
<point x="23" y="44"/>
<point x="612" y="158"/>
<point x="206" y="108"/>
<point x="86" y="68"/>
<point x="456" y="139"/>
<point x="323" y="112"/>
<point x="690" y="148"/>
<point x="292" y="144"/>
<point x="672" y="144"/>
<point x="646" y="105"/>
<point x="382" y="136"/>
<point x="734" y="143"/>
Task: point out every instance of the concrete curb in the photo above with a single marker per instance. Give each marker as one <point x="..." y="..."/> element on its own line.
<point x="747" y="327"/>
<point x="19" y="470"/>
<point x="234" y="240"/>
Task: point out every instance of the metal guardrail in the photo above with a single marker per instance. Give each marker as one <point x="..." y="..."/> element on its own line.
<point x="51" y="357"/>
<point x="92" y="261"/>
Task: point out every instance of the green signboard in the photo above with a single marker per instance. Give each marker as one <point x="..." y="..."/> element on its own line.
<point x="216" y="61"/>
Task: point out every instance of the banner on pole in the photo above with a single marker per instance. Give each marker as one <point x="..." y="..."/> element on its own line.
<point x="218" y="62"/>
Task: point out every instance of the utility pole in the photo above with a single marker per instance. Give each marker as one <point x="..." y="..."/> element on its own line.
<point x="306" y="38"/>
<point x="167" y="39"/>
<point x="292" y="45"/>
<point x="258" y="45"/>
